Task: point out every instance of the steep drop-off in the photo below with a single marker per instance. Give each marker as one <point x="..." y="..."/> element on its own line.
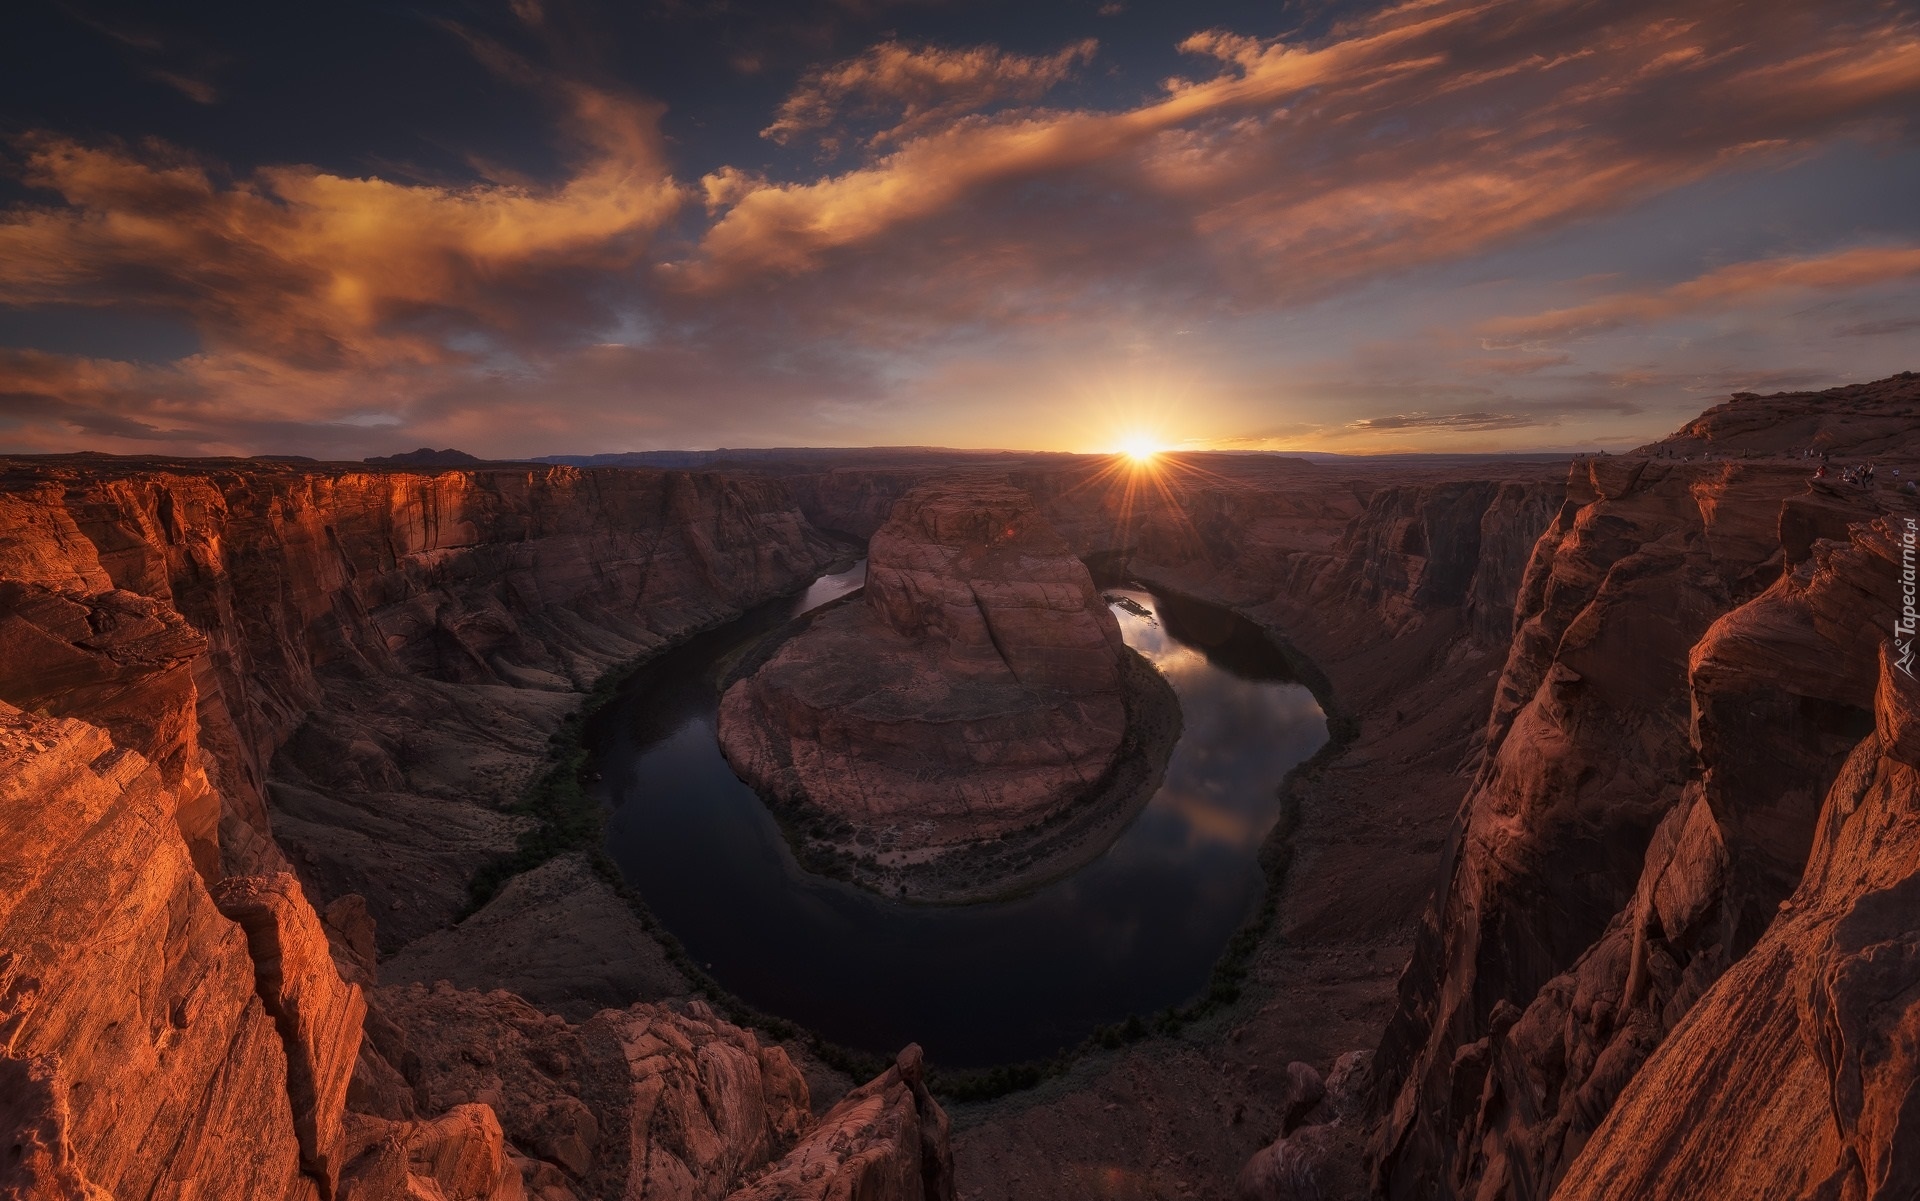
<point x="1696" y="656"/>
<point x="195" y="659"/>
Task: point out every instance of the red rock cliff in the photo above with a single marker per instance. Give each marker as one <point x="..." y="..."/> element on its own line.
<point x="195" y="658"/>
<point x="1694" y="659"/>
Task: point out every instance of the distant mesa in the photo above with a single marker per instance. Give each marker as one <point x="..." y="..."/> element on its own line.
<point x="426" y="456"/>
<point x="777" y="458"/>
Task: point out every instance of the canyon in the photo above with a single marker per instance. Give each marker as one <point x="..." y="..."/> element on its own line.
<point x="1602" y="889"/>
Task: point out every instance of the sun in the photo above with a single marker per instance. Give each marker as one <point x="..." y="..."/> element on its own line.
<point x="1140" y="448"/>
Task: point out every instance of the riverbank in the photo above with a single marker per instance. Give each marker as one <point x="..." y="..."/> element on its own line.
<point x="1351" y="865"/>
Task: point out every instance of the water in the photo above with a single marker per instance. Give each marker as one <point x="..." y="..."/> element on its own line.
<point x="1132" y="932"/>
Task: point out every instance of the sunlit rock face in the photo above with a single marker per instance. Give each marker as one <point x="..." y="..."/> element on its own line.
<point x="1796" y="1074"/>
<point x="974" y="691"/>
<point x="136" y="1058"/>
<point x="390" y="650"/>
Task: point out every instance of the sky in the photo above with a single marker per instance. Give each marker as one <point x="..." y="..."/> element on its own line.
<point x="530" y="227"/>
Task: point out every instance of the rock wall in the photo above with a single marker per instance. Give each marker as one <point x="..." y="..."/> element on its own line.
<point x="381" y="649"/>
<point x="1694" y="658"/>
<point x="136" y="1058"/>
<point x="196" y="658"/>
<point x="1796" y="1074"/>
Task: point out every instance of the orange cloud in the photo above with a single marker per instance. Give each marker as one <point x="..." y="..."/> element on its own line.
<point x="1725" y="287"/>
<point x="1425" y="132"/>
<point x="316" y="267"/>
<point x="919" y="86"/>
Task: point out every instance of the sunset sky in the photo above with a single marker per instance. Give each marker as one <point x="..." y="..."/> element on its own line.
<point x="526" y="227"/>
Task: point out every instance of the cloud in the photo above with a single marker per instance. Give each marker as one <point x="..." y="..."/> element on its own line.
<point x="1525" y="364"/>
<point x="1876" y="329"/>
<point x="981" y="213"/>
<point x="177" y="60"/>
<point x="1443" y="421"/>
<point x="200" y="91"/>
<point x="318" y="268"/>
<point x="1735" y="285"/>
<point x="1423" y="133"/>
<point x="912" y="88"/>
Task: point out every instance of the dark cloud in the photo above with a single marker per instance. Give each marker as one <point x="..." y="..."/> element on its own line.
<point x="1444" y="421"/>
<point x="1879" y="329"/>
<point x="909" y="89"/>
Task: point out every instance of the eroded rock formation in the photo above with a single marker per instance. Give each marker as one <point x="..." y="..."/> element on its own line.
<point x="1696" y="657"/>
<point x="976" y="689"/>
<point x="194" y="660"/>
<point x="136" y="1057"/>
<point x="652" y="1102"/>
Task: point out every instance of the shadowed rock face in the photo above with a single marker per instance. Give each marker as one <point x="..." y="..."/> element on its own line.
<point x="1798" y="1073"/>
<point x="671" y="1105"/>
<point x="975" y="690"/>
<point x="1695" y="657"/>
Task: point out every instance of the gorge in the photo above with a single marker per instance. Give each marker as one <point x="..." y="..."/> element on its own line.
<point x="1598" y="888"/>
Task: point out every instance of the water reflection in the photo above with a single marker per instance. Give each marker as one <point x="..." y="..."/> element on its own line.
<point x="1134" y="931"/>
<point x="830" y="588"/>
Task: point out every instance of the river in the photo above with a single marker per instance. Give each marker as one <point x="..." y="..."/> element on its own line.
<point x="1134" y="931"/>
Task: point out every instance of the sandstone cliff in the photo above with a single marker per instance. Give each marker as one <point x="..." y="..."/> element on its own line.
<point x="1695" y="657"/>
<point x="1795" y="1074"/>
<point x="195" y="660"/>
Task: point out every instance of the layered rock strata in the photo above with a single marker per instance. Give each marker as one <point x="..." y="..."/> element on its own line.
<point x="367" y="664"/>
<point x="671" y="1104"/>
<point x="975" y="690"/>
<point x="136" y="1057"/>
<point x="1696" y="656"/>
<point x="369" y="653"/>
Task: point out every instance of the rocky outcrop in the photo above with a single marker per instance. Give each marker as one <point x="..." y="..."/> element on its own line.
<point x="124" y="662"/>
<point x="318" y="1015"/>
<point x="1694" y="658"/>
<point x="974" y="691"/>
<point x="1796" y="1074"/>
<point x="459" y="1156"/>
<point x="1318" y="1154"/>
<point x="887" y="1140"/>
<point x="675" y="1104"/>
<point x="135" y="1055"/>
